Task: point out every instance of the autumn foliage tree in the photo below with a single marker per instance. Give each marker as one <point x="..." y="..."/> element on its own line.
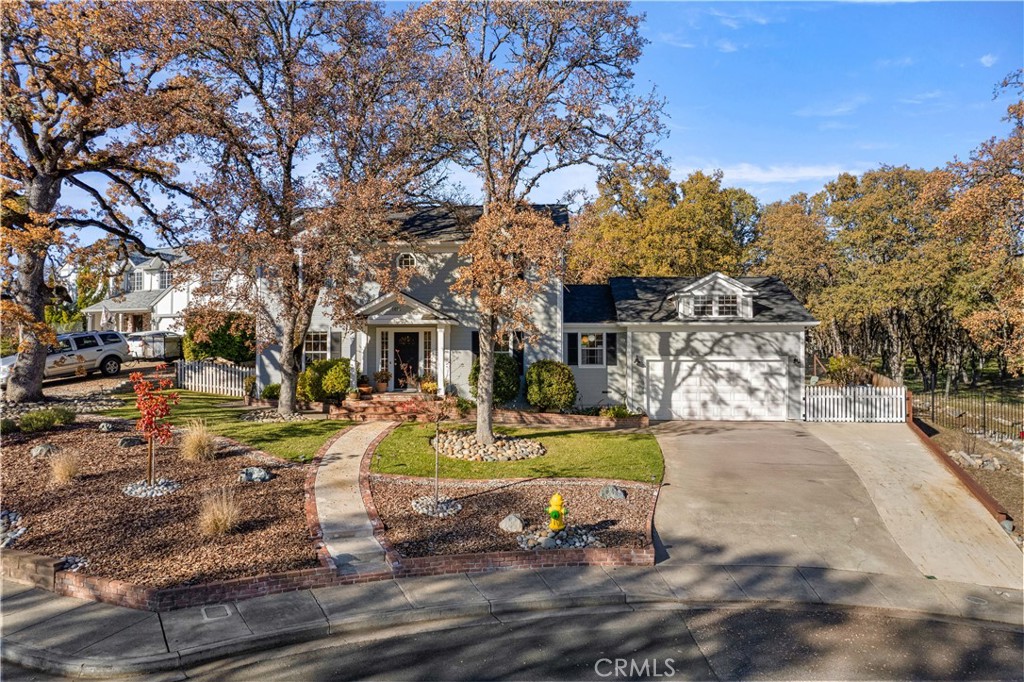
<point x="315" y="131"/>
<point x="88" y="104"/>
<point x="528" y="88"/>
<point x="154" y="405"/>
<point x="644" y="224"/>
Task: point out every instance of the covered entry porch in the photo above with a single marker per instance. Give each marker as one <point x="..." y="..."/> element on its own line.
<point x="408" y="339"/>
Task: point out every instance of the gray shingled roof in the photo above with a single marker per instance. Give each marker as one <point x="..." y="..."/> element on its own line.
<point x="455" y="224"/>
<point x="646" y="299"/>
<point x="130" y="302"/>
<point x="588" y="303"/>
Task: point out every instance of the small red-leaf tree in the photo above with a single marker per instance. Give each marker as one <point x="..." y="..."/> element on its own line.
<point x="154" y="407"/>
<point x="529" y="88"/>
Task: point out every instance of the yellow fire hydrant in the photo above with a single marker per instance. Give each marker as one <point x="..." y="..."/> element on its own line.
<point x="556" y="510"/>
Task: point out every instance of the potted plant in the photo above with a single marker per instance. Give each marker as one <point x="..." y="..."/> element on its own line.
<point x="353" y="394"/>
<point x="381" y="378"/>
<point x="363" y="385"/>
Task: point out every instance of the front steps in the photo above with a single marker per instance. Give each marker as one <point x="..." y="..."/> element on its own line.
<point x="401" y="407"/>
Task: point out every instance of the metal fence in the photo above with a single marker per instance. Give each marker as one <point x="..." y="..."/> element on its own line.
<point x="212" y="377"/>
<point x="997" y="415"/>
<point x="855" y="403"/>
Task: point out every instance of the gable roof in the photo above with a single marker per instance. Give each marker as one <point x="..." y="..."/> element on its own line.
<point x="588" y="303"/>
<point x="648" y="299"/>
<point x="135" y="301"/>
<point x="455" y="223"/>
<point x="407" y="301"/>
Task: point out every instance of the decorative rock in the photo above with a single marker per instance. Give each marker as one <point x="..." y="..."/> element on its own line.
<point x="612" y="492"/>
<point x="513" y="523"/>
<point x="1007" y="525"/>
<point x="573" y="537"/>
<point x="44" y="450"/>
<point x="131" y="441"/>
<point x="271" y="416"/>
<point x="10" y="527"/>
<point x="107" y="427"/>
<point x="255" y="475"/>
<point x="444" y="507"/>
<point x="95" y="402"/>
<point x="141" y="489"/>
<point x="461" y="444"/>
<point x="74" y="564"/>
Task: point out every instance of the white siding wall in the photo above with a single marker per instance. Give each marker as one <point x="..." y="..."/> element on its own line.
<point x="752" y="344"/>
<point x="600" y="384"/>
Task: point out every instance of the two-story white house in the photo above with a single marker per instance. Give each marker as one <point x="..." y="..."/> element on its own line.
<point x="714" y="347"/>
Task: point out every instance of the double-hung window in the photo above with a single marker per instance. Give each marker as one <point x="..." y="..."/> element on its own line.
<point x="165" y="279"/>
<point x="703" y="306"/>
<point x="728" y="305"/>
<point x="592" y="349"/>
<point x="314" y="348"/>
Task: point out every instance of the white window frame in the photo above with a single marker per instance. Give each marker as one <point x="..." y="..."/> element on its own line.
<point x="166" y="279"/>
<point x="311" y="347"/>
<point x="734" y="304"/>
<point x="603" y="348"/>
<point x="702" y="301"/>
<point x="136" y="281"/>
<point x="400" y="261"/>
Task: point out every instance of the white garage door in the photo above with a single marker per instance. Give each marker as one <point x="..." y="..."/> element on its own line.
<point x="723" y="390"/>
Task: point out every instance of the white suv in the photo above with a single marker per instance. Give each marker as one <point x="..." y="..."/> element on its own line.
<point x="79" y="353"/>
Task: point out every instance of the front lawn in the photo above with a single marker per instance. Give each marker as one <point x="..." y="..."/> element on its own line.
<point x="570" y="454"/>
<point x="296" y="441"/>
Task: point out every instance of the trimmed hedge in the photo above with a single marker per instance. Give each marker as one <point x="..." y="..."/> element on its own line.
<point x="550" y="385"/>
<point x="338" y="379"/>
<point x="271" y="392"/>
<point x="310" y="386"/>
<point x="506" y="378"/>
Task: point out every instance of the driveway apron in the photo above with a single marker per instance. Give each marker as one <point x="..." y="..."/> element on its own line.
<point x="770" y="494"/>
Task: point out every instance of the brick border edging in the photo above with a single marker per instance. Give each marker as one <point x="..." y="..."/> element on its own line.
<point x="517" y="559"/>
<point x="990" y="503"/>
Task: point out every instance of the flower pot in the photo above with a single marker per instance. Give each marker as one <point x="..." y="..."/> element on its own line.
<point x="382" y="387"/>
<point x="365" y="390"/>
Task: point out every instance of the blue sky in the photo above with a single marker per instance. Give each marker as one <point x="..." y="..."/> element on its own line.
<point x="784" y="96"/>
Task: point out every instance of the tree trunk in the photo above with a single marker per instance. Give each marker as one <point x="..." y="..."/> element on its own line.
<point x="485" y="381"/>
<point x="25" y="383"/>
<point x="291" y="361"/>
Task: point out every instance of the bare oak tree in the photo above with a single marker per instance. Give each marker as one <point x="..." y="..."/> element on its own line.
<point x="529" y="88"/>
<point x="316" y="131"/>
<point x="87" y="103"/>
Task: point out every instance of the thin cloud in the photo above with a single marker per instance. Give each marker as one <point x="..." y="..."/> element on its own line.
<point x="734" y="20"/>
<point x="674" y="40"/>
<point x="842" y="108"/>
<point x="988" y="60"/>
<point x="836" y="125"/>
<point x="923" y="98"/>
<point x="784" y="173"/>
<point x="726" y="46"/>
<point x="896" y="63"/>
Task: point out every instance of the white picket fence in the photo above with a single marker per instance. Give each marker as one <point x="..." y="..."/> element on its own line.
<point x="855" y="403"/>
<point x="211" y="377"/>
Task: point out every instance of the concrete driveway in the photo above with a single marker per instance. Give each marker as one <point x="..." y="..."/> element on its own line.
<point x="781" y="494"/>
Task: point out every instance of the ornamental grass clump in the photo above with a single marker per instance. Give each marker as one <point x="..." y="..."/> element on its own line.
<point x="198" y="444"/>
<point x="218" y="513"/>
<point x="64" y="468"/>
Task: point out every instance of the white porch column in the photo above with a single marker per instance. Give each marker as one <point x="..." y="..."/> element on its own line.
<point x="442" y="378"/>
<point x="358" y="361"/>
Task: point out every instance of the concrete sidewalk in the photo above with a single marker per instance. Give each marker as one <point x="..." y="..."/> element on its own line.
<point x="82" y="638"/>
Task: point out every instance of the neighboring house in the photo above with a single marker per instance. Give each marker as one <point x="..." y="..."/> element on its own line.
<point x="144" y="297"/>
<point x="713" y="348"/>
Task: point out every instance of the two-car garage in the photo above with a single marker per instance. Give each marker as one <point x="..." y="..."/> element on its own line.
<point x="717" y="389"/>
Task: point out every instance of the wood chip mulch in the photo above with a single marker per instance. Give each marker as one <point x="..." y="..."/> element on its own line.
<point x="153" y="542"/>
<point x="485" y="503"/>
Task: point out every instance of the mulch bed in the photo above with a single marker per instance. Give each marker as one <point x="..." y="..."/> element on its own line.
<point x="153" y="542"/>
<point x="485" y="503"/>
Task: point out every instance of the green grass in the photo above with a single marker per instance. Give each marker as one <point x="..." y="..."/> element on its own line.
<point x="296" y="441"/>
<point x="570" y="454"/>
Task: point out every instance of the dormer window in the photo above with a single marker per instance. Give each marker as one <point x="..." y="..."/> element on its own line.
<point x="703" y="306"/>
<point x="715" y="296"/>
<point x="406" y="260"/>
<point x="135" y="281"/>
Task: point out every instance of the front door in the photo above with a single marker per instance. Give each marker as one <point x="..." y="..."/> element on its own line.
<point x="407" y="354"/>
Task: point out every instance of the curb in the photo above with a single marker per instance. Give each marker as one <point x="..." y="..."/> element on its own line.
<point x="444" y="617"/>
